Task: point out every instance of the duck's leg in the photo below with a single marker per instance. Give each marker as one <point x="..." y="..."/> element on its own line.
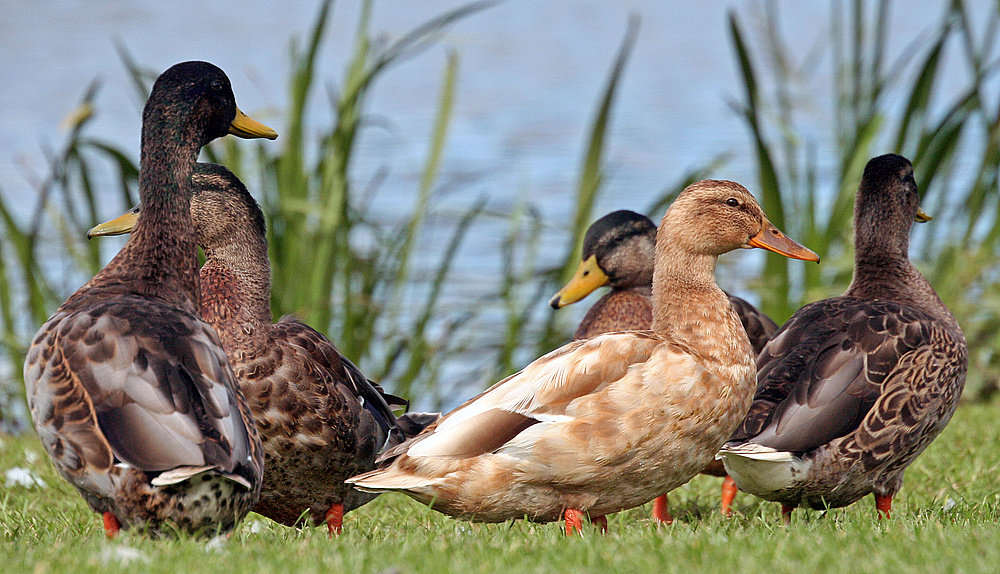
<point x="729" y="490"/>
<point x="574" y="521"/>
<point x="335" y="519"/>
<point x="111" y="525"/>
<point x="786" y="514"/>
<point x="661" y="510"/>
<point x="601" y="522"/>
<point x="883" y="504"/>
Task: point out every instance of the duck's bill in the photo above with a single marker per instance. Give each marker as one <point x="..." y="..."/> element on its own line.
<point x="120" y="225"/>
<point x="588" y="277"/>
<point x="772" y="239"/>
<point x="922" y="216"/>
<point x="248" y="128"/>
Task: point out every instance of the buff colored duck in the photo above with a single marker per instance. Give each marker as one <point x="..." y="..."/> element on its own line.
<point x="853" y="388"/>
<point x="321" y="421"/>
<point x="610" y="422"/>
<point x="618" y="251"/>
<point x="129" y="390"/>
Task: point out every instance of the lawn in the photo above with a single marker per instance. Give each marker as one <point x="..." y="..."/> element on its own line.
<point x="947" y="519"/>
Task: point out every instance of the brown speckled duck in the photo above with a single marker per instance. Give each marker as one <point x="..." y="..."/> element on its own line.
<point x="320" y="419"/>
<point x="853" y="388"/>
<point x="129" y="390"/>
<point x="618" y="251"/>
<point x="606" y="423"/>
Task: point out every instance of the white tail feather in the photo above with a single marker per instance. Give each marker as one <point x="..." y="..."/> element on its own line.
<point x="760" y="470"/>
<point x="756" y="452"/>
<point x="182" y="473"/>
<point x="384" y="480"/>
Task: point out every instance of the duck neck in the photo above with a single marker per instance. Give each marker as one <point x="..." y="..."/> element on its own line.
<point x="691" y="309"/>
<point x="884" y="272"/>
<point x="236" y="288"/>
<point x="160" y="259"/>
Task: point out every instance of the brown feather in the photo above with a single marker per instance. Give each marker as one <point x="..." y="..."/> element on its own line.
<point x="125" y="381"/>
<point x="320" y="419"/>
<point x="855" y="387"/>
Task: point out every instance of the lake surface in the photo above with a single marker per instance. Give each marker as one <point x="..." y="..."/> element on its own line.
<point x="530" y="76"/>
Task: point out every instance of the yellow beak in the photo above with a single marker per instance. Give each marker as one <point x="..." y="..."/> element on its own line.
<point x="587" y="278"/>
<point x="248" y="128"/>
<point x="120" y="225"/>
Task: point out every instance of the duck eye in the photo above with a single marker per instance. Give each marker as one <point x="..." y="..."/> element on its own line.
<point x="217" y="85"/>
<point x="732" y="202"/>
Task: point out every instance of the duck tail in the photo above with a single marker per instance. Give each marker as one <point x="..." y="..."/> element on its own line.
<point x="386" y="480"/>
<point x="755" y="451"/>
<point x="183" y="473"/>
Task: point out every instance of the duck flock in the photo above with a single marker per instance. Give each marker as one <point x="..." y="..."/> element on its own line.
<point x="171" y="400"/>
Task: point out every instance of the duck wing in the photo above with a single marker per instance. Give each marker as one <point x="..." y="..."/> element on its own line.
<point x="833" y="361"/>
<point x="544" y="391"/>
<point x="330" y="365"/>
<point x="136" y="382"/>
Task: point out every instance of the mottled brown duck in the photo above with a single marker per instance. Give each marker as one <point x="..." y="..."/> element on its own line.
<point x="129" y="390"/>
<point x="618" y="252"/>
<point x="610" y="422"/>
<point x="320" y="420"/>
<point x="853" y="388"/>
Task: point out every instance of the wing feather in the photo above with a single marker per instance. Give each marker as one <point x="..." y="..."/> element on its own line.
<point x="544" y="391"/>
<point x="824" y="370"/>
<point x="151" y="385"/>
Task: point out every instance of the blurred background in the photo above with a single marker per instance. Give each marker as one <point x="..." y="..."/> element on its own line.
<point x="439" y="161"/>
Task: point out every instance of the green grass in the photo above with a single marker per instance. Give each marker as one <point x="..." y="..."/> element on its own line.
<point x="946" y="519"/>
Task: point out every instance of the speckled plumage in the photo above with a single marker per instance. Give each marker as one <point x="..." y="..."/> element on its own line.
<point x="607" y="423"/>
<point x="853" y="388"/>
<point x="312" y="418"/>
<point x="319" y="418"/>
<point x="617" y="310"/>
<point x="129" y="389"/>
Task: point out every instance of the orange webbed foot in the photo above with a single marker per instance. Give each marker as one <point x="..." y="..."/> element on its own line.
<point x="574" y="521"/>
<point x="883" y="504"/>
<point x="335" y="520"/>
<point x="111" y="525"/>
<point x="729" y="490"/>
<point x="661" y="510"/>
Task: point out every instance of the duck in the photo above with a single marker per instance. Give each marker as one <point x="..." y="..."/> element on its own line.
<point x="618" y="252"/>
<point x="320" y="419"/>
<point x="606" y="423"/>
<point x="853" y="388"/>
<point x="128" y="388"/>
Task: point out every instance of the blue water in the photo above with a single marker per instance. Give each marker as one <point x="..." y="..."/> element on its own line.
<point x="530" y="75"/>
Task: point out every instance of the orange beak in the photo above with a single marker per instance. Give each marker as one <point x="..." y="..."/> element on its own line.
<point x="772" y="239"/>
